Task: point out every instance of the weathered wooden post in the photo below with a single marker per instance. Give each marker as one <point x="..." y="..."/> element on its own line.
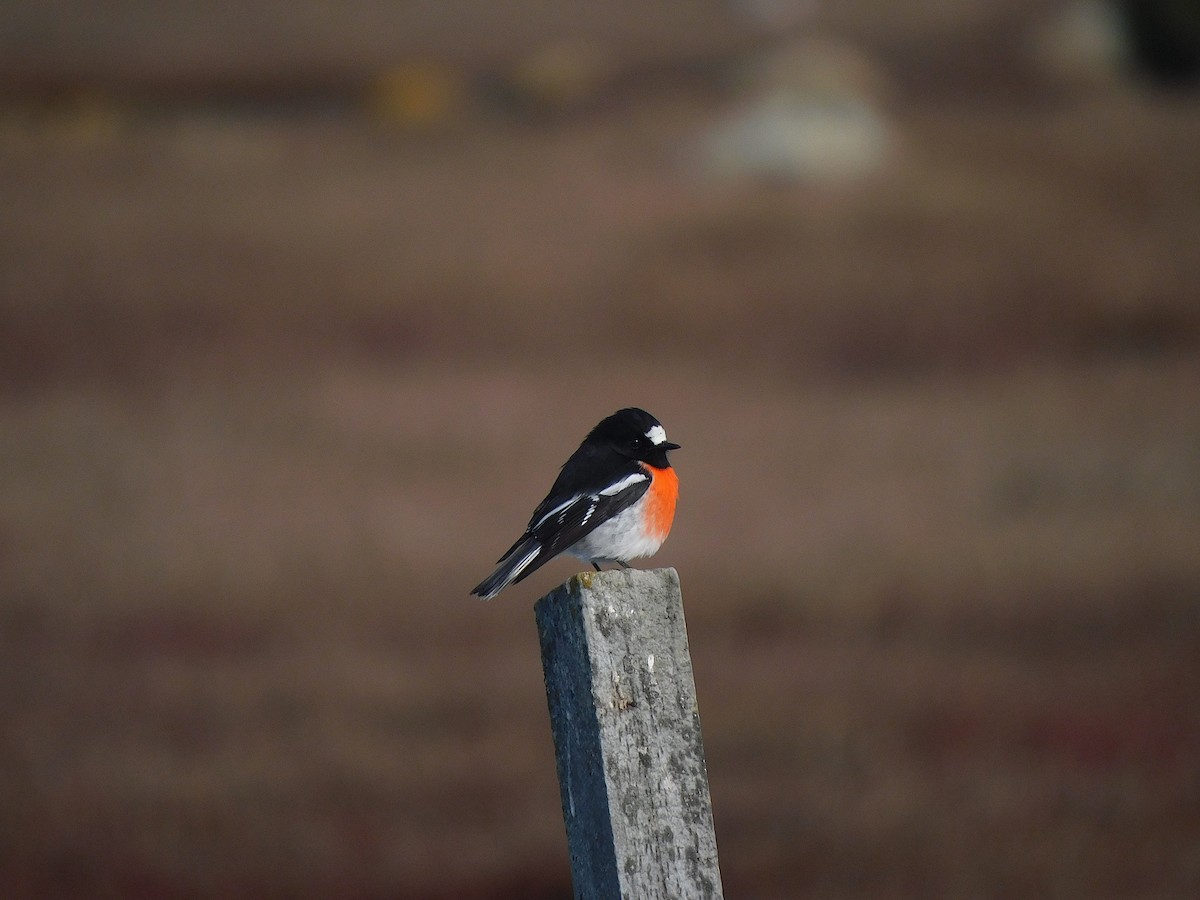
<point x="627" y="737"/>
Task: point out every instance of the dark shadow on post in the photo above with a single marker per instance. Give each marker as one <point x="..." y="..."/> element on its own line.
<point x="627" y="737"/>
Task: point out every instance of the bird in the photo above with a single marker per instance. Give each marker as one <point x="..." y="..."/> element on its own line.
<point x="613" y="501"/>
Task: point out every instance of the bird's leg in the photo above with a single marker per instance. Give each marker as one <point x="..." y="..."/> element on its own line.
<point x="622" y="564"/>
<point x="595" y="565"/>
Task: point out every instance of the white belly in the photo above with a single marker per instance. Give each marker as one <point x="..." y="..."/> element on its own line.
<point x="620" y="538"/>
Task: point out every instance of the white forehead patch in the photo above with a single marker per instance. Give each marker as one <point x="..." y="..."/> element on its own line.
<point x="657" y="435"/>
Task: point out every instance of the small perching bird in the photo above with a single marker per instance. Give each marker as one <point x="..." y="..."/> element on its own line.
<point x="613" y="501"/>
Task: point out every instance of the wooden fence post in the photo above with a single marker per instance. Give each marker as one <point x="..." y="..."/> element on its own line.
<point x="627" y="738"/>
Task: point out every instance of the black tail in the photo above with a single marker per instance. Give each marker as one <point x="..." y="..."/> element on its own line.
<point x="525" y="556"/>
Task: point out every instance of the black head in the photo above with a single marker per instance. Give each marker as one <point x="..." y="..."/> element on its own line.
<point x="636" y="434"/>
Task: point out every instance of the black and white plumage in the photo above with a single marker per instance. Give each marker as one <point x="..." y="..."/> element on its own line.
<point x="613" y="501"/>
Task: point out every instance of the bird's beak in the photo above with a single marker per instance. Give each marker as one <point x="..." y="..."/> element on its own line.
<point x="668" y="446"/>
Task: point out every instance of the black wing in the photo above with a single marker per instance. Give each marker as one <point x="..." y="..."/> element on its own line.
<point x="577" y="503"/>
<point x="558" y="528"/>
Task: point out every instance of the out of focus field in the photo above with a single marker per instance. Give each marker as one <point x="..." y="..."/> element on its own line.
<point x="299" y="314"/>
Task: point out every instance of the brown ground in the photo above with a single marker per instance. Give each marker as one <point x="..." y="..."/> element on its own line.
<point x="276" y="387"/>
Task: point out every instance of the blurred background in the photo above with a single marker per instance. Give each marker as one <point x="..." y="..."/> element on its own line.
<point x="302" y="305"/>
